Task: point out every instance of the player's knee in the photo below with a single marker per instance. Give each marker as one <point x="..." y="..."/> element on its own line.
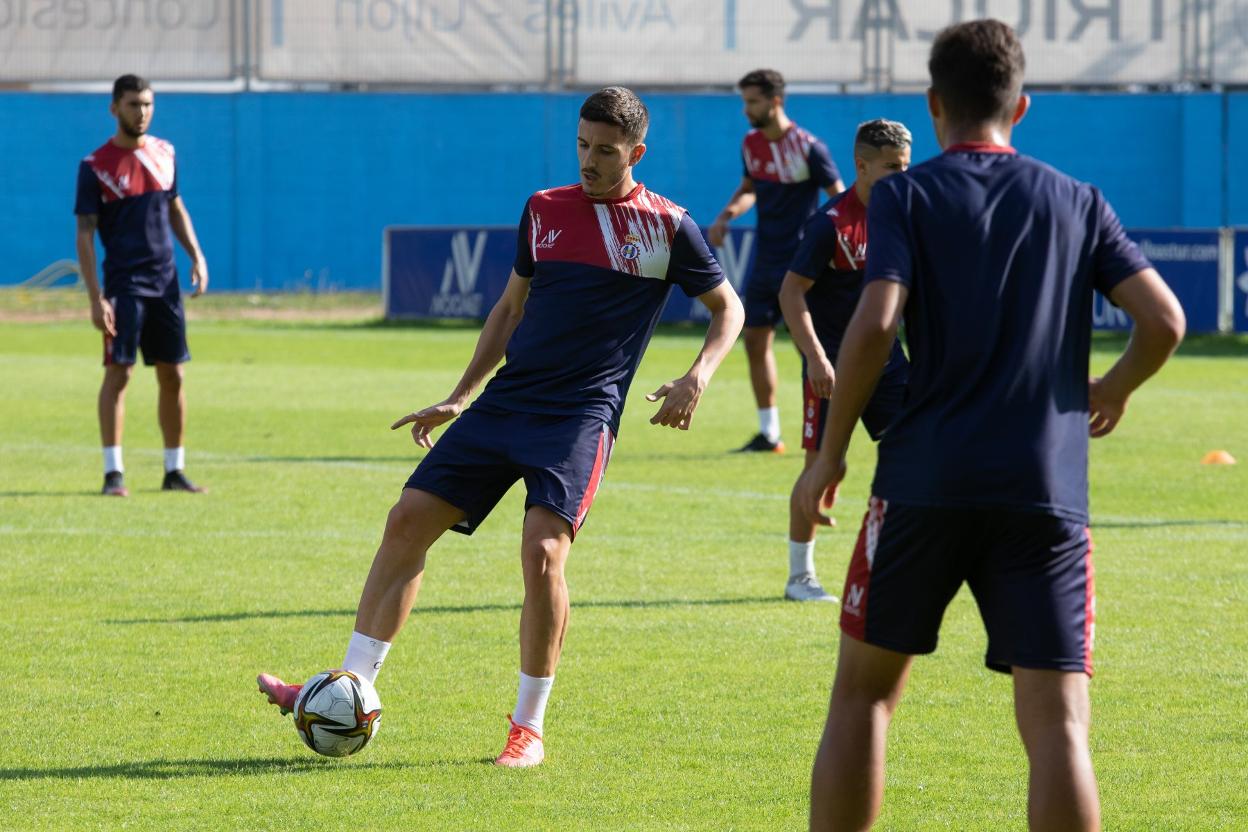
<point x="403" y="522"/>
<point x="169" y="376"/>
<point x="117" y="376"/>
<point x="543" y="558"/>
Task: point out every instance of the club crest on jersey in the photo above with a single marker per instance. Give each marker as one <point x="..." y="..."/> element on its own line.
<point x="630" y="250"/>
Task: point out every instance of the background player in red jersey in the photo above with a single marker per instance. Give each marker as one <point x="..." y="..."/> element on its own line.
<point x="128" y="192"/>
<point x="785" y="169"/>
<point x="982" y="479"/>
<point x="818" y="297"/>
<point x="595" y="263"/>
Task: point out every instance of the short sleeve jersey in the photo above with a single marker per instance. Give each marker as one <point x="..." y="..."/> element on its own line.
<point x="600" y="274"/>
<point x="832" y="253"/>
<point x="1000" y="254"/>
<point x="788" y="175"/>
<point x="130" y="191"/>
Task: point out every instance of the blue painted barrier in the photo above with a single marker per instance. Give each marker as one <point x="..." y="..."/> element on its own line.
<point x="461" y="272"/>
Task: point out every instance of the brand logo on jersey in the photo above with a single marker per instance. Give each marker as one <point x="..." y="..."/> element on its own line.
<point x="630" y="250"/>
<point x="548" y="241"/>
<point x="458" y="297"/>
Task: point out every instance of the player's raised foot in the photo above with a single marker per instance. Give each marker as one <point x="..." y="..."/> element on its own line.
<point x="761" y="444"/>
<point x="177" y="481"/>
<point x="806" y="588"/>
<point x="115" y="485"/>
<point x="524" y="748"/>
<point x="280" y="694"/>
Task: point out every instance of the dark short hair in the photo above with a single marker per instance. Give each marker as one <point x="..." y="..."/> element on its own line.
<point x="619" y="106"/>
<point x="768" y="81"/>
<point x="880" y="133"/>
<point x="129" y="83"/>
<point x="977" y="71"/>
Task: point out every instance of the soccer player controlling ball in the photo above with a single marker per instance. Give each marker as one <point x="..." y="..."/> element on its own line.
<point x="595" y="263"/>
<point x="993" y="258"/>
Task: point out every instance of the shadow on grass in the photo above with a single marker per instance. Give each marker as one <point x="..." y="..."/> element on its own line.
<point x="1156" y="524"/>
<point x="437" y="610"/>
<point x="49" y="494"/>
<point x="408" y="459"/>
<point x="174" y="769"/>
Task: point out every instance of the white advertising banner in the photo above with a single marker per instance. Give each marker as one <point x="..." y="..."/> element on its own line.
<point x="403" y="41"/>
<point x="1230" y="42"/>
<point x="97" y="40"/>
<point x="708" y="41"/>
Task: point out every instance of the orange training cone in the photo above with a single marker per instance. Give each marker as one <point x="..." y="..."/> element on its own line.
<point x="1218" y="458"/>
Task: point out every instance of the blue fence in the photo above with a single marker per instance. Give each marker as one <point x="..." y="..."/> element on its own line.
<point x="461" y="273"/>
<point x="293" y="190"/>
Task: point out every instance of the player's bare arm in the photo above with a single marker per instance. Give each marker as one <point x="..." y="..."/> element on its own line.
<point x="835" y="188"/>
<point x="680" y="397"/>
<point x="864" y="352"/>
<point x="101" y="309"/>
<point x="802" y="327"/>
<point x="491" y="345"/>
<point x="1159" y="327"/>
<point x="741" y="201"/>
<point x="180" y="222"/>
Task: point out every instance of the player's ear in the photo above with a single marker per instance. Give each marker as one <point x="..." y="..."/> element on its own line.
<point x="636" y="153"/>
<point x="1021" y="108"/>
<point x="933" y="103"/>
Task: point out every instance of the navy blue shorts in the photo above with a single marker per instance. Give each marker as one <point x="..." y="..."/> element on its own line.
<point x="1030" y="573"/>
<point x="562" y="460"/>
<point x="761" y="297"/>
<point x="157" y="326"/>
<point x="882" y="408"/>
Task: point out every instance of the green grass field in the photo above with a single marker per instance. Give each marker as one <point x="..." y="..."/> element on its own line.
<point x="690" y="697"/>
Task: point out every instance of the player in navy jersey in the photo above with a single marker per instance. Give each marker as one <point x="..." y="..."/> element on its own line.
<point x="818" y="297"/>
<point x="993" y="259"/>
<point x="785" y="168"/>
<point x="128" y="192"/>
<point x="594" y="266"/>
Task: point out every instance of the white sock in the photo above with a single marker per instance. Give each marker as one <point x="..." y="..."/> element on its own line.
<point x="531" y="701"/>
<point x="769" y="422"/>
<point x="801" y="558"/>
<point x="365" y="656"/>
<point x="112" y="459"/>
<point x="175" y="459"/>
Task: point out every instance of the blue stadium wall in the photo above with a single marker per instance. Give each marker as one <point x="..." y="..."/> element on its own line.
<point x="292" y="190"/>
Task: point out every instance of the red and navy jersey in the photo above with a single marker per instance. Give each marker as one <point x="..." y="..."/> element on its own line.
<point x="788" y="175"/>
<point x="832" y="253"/>
<point x="130" y="190"/>
<point x="1001" y="254"/>
<point x="600" y="273"/>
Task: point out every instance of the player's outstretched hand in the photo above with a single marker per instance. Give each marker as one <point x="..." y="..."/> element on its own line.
<point x="424" y="421"/>
<point x="199" y="277"/>
<point x="817" y="489"/>
<point x="1105" y="408"/>
<point x="102" y="317"/>
<point x="680" y="398"/>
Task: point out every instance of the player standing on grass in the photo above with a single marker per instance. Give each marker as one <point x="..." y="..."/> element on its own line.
<point x="993" y="258"/>
<point x="128" y="191"/>
<point x="818" y="297"/>
<point x="595" y="263"/>
<point x="785" y="168"/>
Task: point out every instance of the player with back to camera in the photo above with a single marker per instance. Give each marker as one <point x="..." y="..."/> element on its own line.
<point x="993" y="258"/>
<point x="128" y="192"/>
<point x="594" y="265"/>
<point x="818" y="297"/>
<point x="785" y="167"/>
